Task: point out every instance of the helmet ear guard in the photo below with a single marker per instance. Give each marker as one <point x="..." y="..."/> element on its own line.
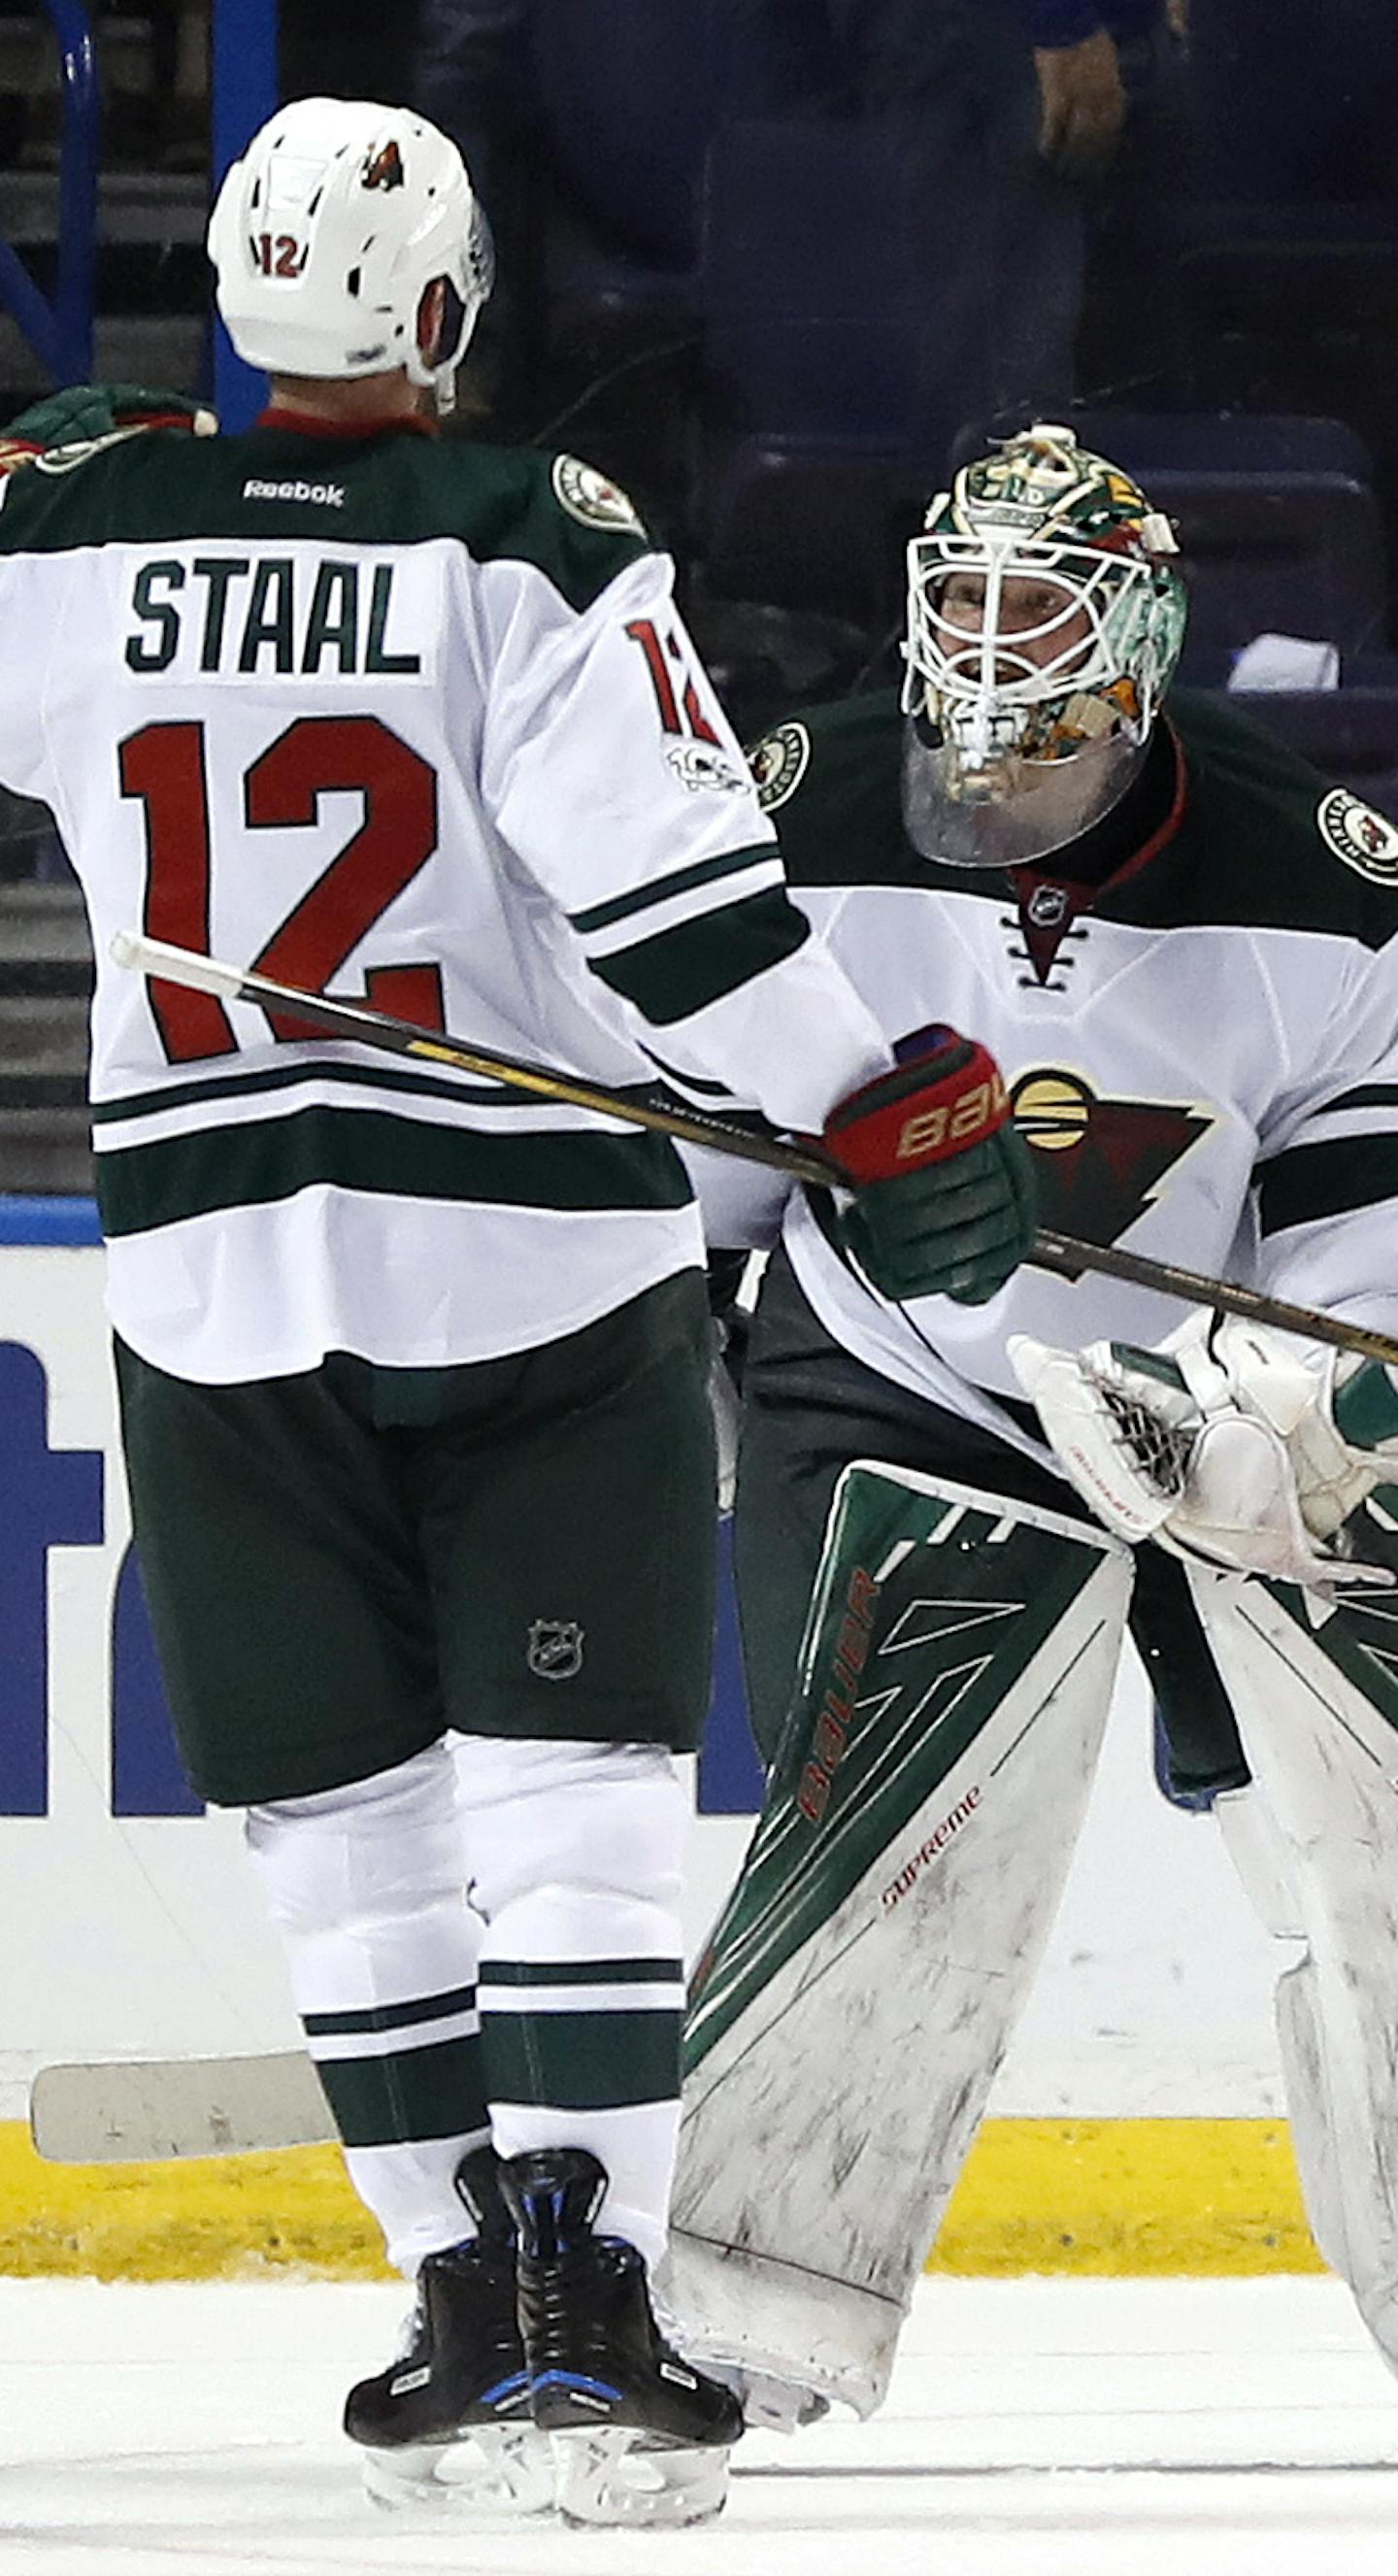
<point x="331" y="232"/>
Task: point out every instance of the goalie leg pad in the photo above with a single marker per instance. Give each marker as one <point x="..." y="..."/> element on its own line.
<point x="1266" y="1874"/>
<point x="856" y="1999"/>
<point x="1317" y="1703"/>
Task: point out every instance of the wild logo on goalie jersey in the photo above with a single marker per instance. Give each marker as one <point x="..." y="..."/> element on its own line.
<point x="1100" y="1163"/>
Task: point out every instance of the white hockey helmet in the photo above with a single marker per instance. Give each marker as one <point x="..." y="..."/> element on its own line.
<point x="1031" y="714"/>
<point x="329" y="234"/>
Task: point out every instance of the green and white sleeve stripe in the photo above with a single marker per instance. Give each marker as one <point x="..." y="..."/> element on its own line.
<point x="1344" y="1159"/>
<point x="684" y="940"/>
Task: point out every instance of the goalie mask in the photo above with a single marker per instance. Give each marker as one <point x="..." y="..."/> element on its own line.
<point x="1045" y="618"/>
<point x="348" y="241"/>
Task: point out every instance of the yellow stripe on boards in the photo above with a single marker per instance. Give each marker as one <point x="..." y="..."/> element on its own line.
<point x="1085" y="2196"/>
<point x="1128" y="2196"/>
<point x="210" y="2218"/>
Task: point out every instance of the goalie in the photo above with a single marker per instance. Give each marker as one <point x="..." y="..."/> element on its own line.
<point x="1183" y="948"/>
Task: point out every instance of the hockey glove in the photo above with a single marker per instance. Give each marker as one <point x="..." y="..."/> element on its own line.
<point x="944" y="1189"/>
<point x="82" y="415"/>
<point x="1225" y="1445"/>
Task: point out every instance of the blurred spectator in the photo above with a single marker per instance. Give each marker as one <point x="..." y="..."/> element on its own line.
<point x="782" y="56"/>
<point x="1299" y="104"/>
<point x="469" y="71"/>
<point x="1027" y="139"/>
<point x="1115" y="114"/>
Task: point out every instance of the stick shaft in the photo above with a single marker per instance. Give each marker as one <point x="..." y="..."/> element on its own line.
<point x="1064" y="1252"/>
<point x="357" y="1021"/>
<point x="1059" y="1252"/>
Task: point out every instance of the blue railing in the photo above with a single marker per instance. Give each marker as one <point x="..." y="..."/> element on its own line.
<point x="59" y="330"/>
<point x="245" y="93"/>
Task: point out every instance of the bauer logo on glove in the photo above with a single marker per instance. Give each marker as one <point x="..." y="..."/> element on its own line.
<point x="945" y="1198"/>
<point x="958" y="1094"/>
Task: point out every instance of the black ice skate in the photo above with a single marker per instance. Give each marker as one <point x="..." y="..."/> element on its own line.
<point x="450" y="2419"/>
<point x="639" y="2436"/>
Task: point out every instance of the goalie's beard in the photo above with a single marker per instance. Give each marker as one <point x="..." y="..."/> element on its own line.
<point x="1034" y="807"/>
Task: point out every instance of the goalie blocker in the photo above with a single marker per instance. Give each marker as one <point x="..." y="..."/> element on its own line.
<point x="856" y="1998"/>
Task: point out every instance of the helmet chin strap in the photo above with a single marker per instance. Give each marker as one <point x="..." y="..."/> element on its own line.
<point x="1019" y="810"/>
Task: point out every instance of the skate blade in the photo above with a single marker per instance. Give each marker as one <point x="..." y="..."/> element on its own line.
<point x="491" y="2471"/>
<point x="614" y="2476"/>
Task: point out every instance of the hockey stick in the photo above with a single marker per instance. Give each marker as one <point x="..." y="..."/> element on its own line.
<point x="404" y="1037"/>
<point x="1053" y="1251"/>
<point x="143" y="2110"/>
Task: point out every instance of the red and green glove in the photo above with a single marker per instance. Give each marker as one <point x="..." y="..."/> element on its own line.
<point x="944" y="1186"/>
<point x="81" y="415"/>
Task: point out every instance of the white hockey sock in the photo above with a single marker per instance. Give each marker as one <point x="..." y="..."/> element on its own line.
<point x="366" y="1886"/>
<point x="576" y="1853"/>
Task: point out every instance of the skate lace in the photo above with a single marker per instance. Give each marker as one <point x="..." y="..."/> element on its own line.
<point x="565" y="2319"/>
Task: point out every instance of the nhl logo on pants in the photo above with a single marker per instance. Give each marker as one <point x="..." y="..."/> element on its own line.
<point x="555" y="1650"/>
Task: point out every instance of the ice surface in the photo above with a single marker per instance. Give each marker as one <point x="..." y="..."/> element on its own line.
<point x="1049" y="2428"/>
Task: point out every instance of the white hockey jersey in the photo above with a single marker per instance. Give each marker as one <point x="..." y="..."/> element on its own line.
<point x="411" y="722"/>
<point x="1202" y="1052"/>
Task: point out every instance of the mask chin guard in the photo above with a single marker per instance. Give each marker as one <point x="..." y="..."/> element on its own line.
<point x="1015" y="812"/>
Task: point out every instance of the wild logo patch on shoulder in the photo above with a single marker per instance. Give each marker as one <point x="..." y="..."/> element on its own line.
<point x="1365" y="840"/>
<point x="779" y="764"/>
<point x="590" y="498"/>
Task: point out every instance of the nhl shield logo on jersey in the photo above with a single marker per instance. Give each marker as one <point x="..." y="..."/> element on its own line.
<point x="1365" y="840"/>
<point x="555" y="1650"/>
<point x="590" y="498"/>
<point x="779" y="763"/>
<point x="1048" y="906"/>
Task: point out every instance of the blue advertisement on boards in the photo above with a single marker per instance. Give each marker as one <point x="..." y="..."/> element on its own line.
<point x="55" y="1497"/>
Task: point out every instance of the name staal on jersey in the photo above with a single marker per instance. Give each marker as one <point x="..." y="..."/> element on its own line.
<point x="415" y="722"/>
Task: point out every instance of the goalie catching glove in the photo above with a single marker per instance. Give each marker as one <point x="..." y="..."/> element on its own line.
<point x="1225" y="1444"/>
<point x="944" y="1189"/>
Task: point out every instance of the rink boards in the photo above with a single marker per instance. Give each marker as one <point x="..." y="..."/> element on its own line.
<point x="1135" y="2125"/>
<point x="1100" y="2197"/>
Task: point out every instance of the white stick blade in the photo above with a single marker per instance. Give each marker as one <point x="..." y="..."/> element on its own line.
<point x="147" y="2110"/>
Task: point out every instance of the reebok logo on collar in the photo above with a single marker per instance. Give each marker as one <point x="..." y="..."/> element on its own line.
<point x="331" y="496"/>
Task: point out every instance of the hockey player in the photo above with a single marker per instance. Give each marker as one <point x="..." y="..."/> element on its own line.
<point x="412" y="1368"/>
<point x="1183" y="947"/>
